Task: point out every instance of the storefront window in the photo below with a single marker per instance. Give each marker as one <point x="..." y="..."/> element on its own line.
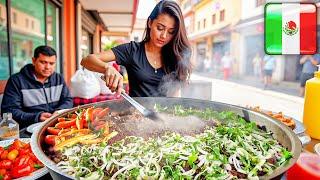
<point x="222" y="14"/>
<point x="86" y="43"/>
<point x="26" y="39"/>
<point x="214" y="19"/>
<point x="53" y="30"/>
<point x="4" y="59"/>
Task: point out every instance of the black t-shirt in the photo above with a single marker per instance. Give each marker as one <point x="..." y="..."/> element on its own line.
<point x="143" y="78"/>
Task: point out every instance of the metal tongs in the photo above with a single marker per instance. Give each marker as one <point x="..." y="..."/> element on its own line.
<point x="144" y="111"/>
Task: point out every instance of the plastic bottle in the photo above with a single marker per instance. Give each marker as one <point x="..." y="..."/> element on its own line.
<point x="305" y="168"/>
<point x="9" y="128"/>
<point x="311" y="112"/>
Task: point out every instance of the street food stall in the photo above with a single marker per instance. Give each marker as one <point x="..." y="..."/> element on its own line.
<point x="114" y="130"/>
<point x="109" y="123"/>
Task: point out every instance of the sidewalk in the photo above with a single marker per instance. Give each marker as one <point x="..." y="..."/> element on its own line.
<point x="238" y="93"/>
<point x="286" y="87"/>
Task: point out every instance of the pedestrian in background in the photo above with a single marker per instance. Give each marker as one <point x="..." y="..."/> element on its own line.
<point x="207" y="64"/>
<point x="226" y="63"/>
<point x="256" y="63"/>
<point x="269" y="64"/>
<point x="216" y="63"/>
<point x="309" y="66"/>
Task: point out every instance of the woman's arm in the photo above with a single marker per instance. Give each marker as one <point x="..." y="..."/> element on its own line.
<point x="97" y="62"/>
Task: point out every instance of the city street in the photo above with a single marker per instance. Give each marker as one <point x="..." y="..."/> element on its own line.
<point x="243" y="95"/>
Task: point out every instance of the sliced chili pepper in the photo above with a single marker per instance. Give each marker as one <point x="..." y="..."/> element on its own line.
<point x="95" y="112"/>
<point x="1" y="150"/>
<point x="89" y="115"/>
<point x="99" y="127"/>
<point x="2" y="172"/>
<point x="50" y="139"/>
<point x="103" y="113"/>
<point x="53" y="130"/>
<point x="79" y="123"/>
<point x="104" y="127"/>
<point x="73" y="116"/>
<point x="22" y="161"/>
<point x="64" y="131"/>
<point x="34" y="158"/>
<point x="24" y="151"/>
<point x="7" y="176"/>
<point x="73" y="141"/>
<point x="4" y="154"/>
<point x="23" y="171"/>
<point x="27" y="146"/>
<point x="74" y="131"/>
<point x="85" y="124"/>
<point x="17" y="144"/>
<point x="61" y="119"/>
<point x="98" y="123"/>
<point x="65" y="124"/>
<point x="6" y="164"/>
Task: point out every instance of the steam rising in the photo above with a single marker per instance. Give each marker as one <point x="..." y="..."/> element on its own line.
<point x="145" y="127"/>
<point x="176" y="80"/>
<point x="170" y="85"/>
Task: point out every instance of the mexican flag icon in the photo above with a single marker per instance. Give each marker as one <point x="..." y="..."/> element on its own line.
<point x="290" y="28"/>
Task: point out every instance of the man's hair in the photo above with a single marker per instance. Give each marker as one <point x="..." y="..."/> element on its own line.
<point x="45" y="50"/>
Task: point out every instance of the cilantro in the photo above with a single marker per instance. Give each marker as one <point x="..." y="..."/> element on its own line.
<point x="37" y="166"/>
<point x="192" y="158"/>
<point x="134" y="173"/>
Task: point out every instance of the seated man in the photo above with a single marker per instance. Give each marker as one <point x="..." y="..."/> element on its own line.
<point x="36" y="92"/>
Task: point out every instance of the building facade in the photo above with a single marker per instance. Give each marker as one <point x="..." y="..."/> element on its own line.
<point x="208" y="24"/>
<point x="250" y="30"/>
<point x="251" y="42"/>
<point x="64" y="25"/>
<point x="218" y="26"/>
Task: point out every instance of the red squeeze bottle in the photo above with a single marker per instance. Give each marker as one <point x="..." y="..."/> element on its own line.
<point x="307" y="167"/>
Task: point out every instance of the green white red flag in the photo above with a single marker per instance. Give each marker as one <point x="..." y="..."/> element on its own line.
<point x="290" y="28"/>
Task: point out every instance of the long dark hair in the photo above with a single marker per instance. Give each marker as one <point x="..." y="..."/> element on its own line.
<point x="177" y="53"/>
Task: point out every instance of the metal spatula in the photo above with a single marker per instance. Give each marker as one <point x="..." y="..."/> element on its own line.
<point x="144" y="111"/>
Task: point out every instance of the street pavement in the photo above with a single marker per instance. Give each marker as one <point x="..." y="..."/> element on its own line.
<point x="245" y="95"/>
<point x="286" y="87"/>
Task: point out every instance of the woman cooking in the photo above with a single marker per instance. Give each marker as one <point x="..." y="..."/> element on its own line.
<point x="163" y="55"/>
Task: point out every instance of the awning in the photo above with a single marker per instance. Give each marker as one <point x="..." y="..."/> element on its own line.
<point x="117" y="16"/>
<point x="249" y="21"/>
<point x="210" y="32"/>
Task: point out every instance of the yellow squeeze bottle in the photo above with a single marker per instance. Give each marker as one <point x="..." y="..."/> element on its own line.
<point x="311" y="111"/>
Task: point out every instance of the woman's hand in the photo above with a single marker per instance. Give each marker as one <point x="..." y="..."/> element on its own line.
<point x="114" y="80"/>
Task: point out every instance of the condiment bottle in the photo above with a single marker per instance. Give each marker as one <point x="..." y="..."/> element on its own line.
<point x="9" y="128"/>
<point x="306" y="168"/>
<point x="311" y="112"/>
